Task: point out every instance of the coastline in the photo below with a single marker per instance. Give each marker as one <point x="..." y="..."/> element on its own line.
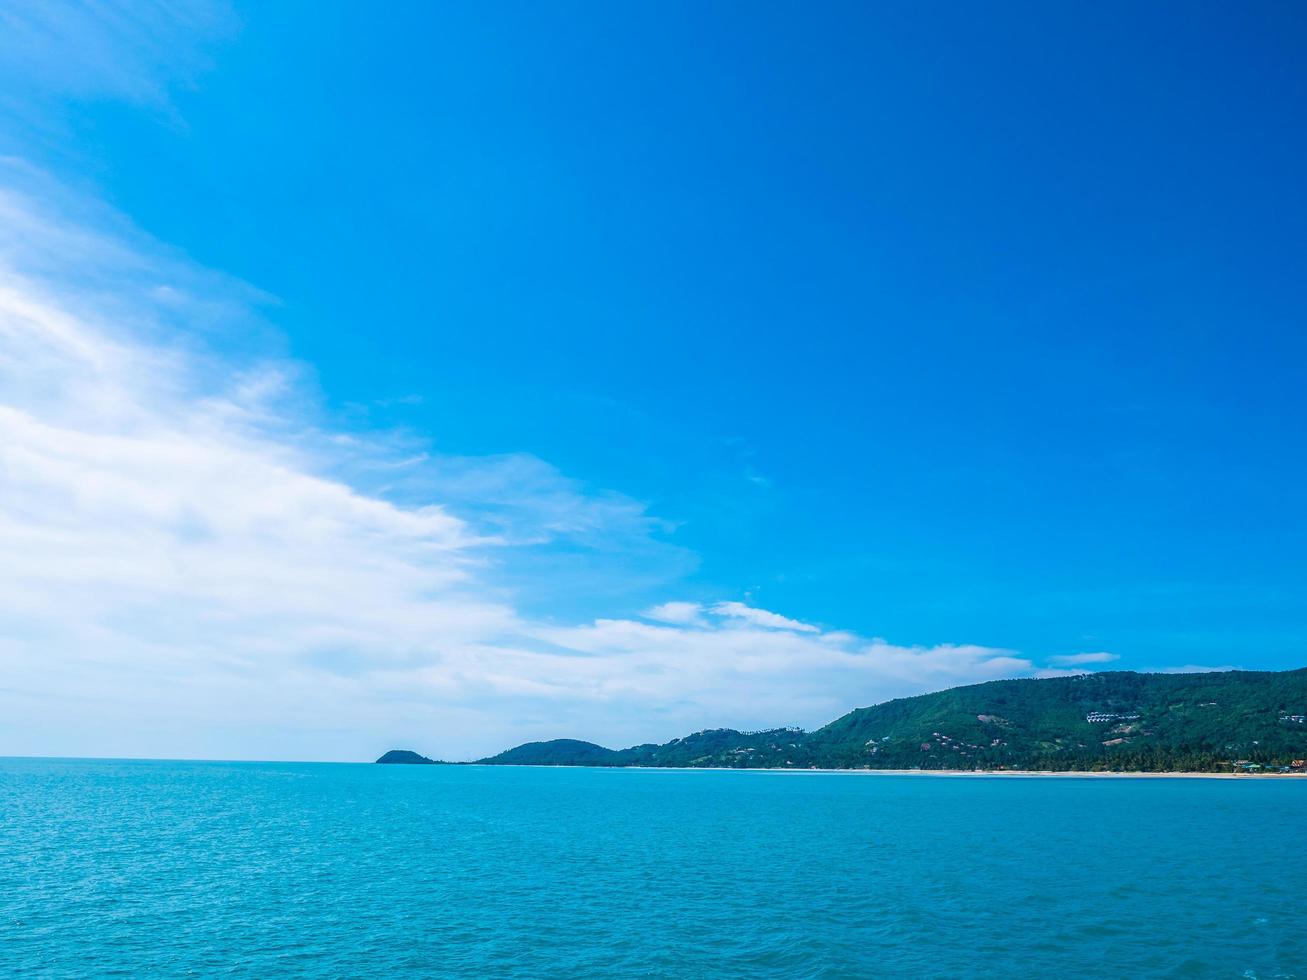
<point x="954" y="773"/>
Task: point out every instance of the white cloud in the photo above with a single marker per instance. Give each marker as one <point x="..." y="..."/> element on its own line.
<point x="680" y="613"/>
<point x="1076" y="659"/>
<point x="197" y="564"/>
<point x="753" y="675"/>
<point x="761" y="617"/>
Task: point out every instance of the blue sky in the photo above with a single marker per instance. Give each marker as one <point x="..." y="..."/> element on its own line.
<point x="967" y="328"/>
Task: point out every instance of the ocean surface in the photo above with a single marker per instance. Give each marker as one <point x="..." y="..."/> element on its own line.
<point x="163" y="869"/>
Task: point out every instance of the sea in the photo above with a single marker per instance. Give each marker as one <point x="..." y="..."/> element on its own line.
<point x="215" y="869"/>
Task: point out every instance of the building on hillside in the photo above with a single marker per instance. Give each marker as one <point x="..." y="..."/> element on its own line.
<point x="1098" y="717"/>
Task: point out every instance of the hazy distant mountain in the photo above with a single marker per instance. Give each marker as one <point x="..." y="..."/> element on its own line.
<point x="1113" y="720"/>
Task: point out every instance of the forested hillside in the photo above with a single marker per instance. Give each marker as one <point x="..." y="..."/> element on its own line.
<point x="1115" y="720"/>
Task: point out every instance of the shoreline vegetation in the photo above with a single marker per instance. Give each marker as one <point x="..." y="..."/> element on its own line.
<point x="1014" y="773"/>
<point x="1233" y="723"/>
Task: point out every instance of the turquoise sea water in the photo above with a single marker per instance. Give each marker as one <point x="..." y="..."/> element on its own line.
<point x="167" y="869"/>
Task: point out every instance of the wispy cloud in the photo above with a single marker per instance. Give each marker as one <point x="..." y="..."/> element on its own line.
<point x="1080" y="659"/>
<point x="678" y="613"/>
<point x="723" y="615"/>
<point x="130" y="51"/>
<point x="199" y="563"/>
<point x="761" y="617"/>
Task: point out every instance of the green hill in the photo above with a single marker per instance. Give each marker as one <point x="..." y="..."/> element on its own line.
<point x="558" y="752"/>
<point x="1116" y="720"/>
<point x="405" y="757"/>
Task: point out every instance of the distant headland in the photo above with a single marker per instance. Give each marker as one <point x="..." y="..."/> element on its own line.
<point x="404" y="757"/>
<point x="1115" y="721"/>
